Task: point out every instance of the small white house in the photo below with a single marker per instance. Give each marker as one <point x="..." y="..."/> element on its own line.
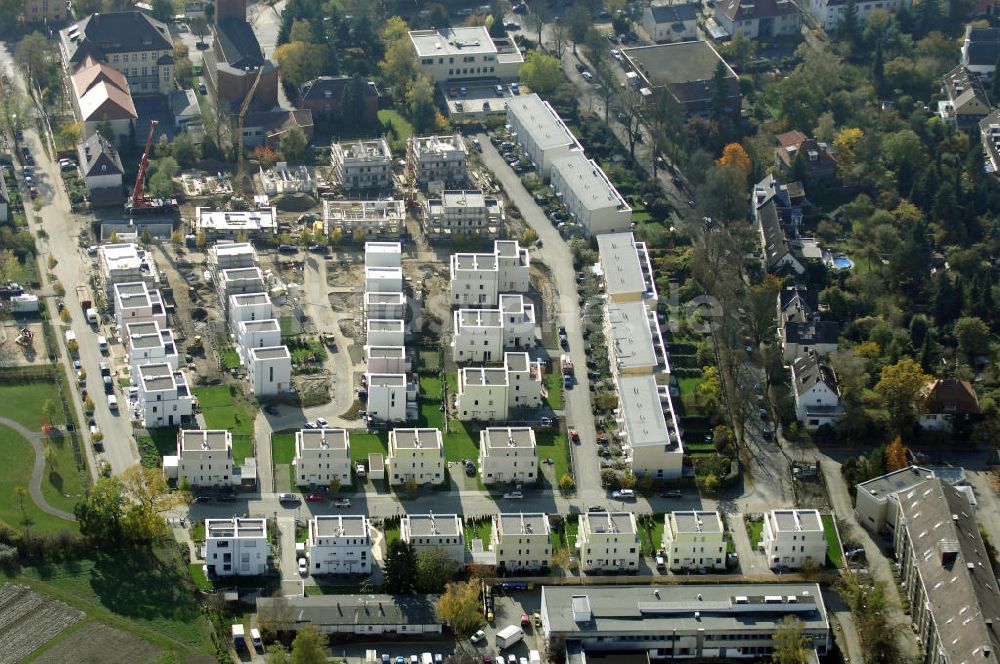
<point x="521" y="541"/>
<point x="694" y="540"/>
<point x="817" y="397"/>
<point x="165" y="399"/>
<point x="270" y="370"/>
<point x="478" y="279"/>
<point x="490" y="394"/>
<point x="383" y="279"/>
<point x="385" y="332"/>
<point x="340" y="544"/>
<point x="508" y="454"/>
<point x="608" y="542"/>
<point x="136" y="303"/>
<point x="670" y="23"/>
<point x="236" y="547"/>
<point x="435" y="531"/>
<point x="481" y="335"/>
<point x="416" y="455"/>
<point x="205" y="458"/>
<point x="389" y="396"/>
<point x="246" y="307"/>
<point x="322" y="455"/>
<point x="793" y="536"/>
<point x="383" y="254"/>
<point x="148" y="343"/>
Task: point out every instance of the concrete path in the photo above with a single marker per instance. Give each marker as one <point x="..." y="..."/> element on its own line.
<point x="35" y="486"/>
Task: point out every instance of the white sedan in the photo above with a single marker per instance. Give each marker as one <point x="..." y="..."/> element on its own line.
<point x="303" y="568"/>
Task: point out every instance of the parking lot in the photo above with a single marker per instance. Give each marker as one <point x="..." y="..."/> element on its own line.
<point x="478" y="98"/>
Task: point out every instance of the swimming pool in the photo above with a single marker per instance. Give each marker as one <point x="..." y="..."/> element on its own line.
<point x="843" y="263"/>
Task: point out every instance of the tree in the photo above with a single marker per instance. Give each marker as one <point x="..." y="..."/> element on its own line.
<point x="399" y="65"/>
<point x="791" y="645"/>
<point x="540" y="15"/>
<point x="895" y="455"/>
<point x="199" y="27"/>
<point x="163" y="10"/>
<point x="400" y="567"/>
<point x="420" y="97"/>
<point x="878" y="70"/>
<point x="309" y="646"/>
<point x="972" y="336"/>
<point x="720" y="92"/>
<point x="265" y="156"/>
<point x="529" y="237"/>
<point x="900" y="387"/>
<point x="20" y="493"/>
<point x="148" y="496"/>
<point x="300" y="61"/>
<point x="723" y="194"/>
<point x="735" y="156"/>
<point x="101" y="512"/>
<point x="49" y="411"/>
<point x="32" y="55"/>
<point x="435" y="568"/>
<point x="351" y="111"/>
<point x="740" y="49"/>
<point x="566" y="482"/>
<point x="578" y="21"/>
<point x="459" y="607"/>
<point x="160" y="185"/>
<point x="995" y="84"/>
<point x="185" y="151"/>
<point x="541" y="72"/>
<point x="759" y="305"/>
<point x="294" y="147"/>
<point x="146" y="238"/>
<point x="276" y="654"/>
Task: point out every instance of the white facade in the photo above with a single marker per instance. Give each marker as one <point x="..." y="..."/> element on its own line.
<point x="462" y="213"/>
<point x="694" y="540"/>
<point x="539" y="131"/>
<point x="829" y="14"/>
<point x="482" y="335"/>
<point x="588" y="194"/>
<point x="877" y="500"/>
<point x="239" y="281"/>
<point x="508" y="454"/>
<point x="322" y="455"/>
<point x="635" y="345"/>
<point x="257" y="334"/>
<point x="491" y="394"/>
<point x="385" y="306"/>
<point x="354" y="218"/>
<point x="478" y="279"/>
<point x="651" y="440"/>
<point x="450" y="54"/>
<point x="383" y="254"/>
<point x="793" y="536"/>
<point x="247" y="307"/>
<point x="385" y="332"/>
<point x="205" y="458"/>
<point x="669" y="25"/>
<point x="435" y="531"/>
<point x="270" y="370"/>
<point x="148" y="343"/>
<point x="626" y="268"/>
<point x="164" y="397"/>
<point x="230" y="255"/>
<point x="521" y="541"/>
<point x="387" y="360"/>
<point x="236" y="547"/>
<point x="389" y="396"/>
<point x="125" y="263"/>
<point x="360" y="165"/>
<point x="608" y="541"/>
<point x="416" y="455"/>
<point x="136" y="303"/>
<point x="817" y="399"/>
<point x="230" y="225"/>
<point x="438" y="159"/>
<point x="340" y="544"/>
<point x="383" y="279"/>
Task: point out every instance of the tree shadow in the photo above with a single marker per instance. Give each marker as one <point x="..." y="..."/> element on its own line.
<point x="56" y="480"/>
<point x="139" y="584"/>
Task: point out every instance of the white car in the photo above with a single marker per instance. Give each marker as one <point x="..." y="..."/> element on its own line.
<point x="321" y="422"/>
<point x="513" y="495"/>
<point x="478" y="637"/>
<point x="303" y="568"/>
<point x="310" y="425"/>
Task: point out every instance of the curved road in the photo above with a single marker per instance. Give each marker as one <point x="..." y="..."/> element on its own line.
<point x="35" y="487"/>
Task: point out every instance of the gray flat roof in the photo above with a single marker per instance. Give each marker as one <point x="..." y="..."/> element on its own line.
<point x="426" y="438"/>
<point x="620" y="263"/>
<point x="539" y="119"/>
<point x="385" y="325"/>
<point x="211" y="439"/>
<point x="680" y="62"/>
<point x="355" y="610"/>
<point x="266" y="325"/>
<point x="250" y="298"/>
<point x="697" y="522"/>
<point x="452" y="41"/>
<point x="898" y="480"/>
<point x="271" y="353"/>
<point x="386" y="351"/>
<point x="237" y="273"/>
<point x="797" y="520"/>
<point x="588" y="182"/>
<point x="630" y="335"/>
<point x="516" y="361"/>
<point x="474" y="261"/>
<point x="484" y="376"/>
<point x="389" y="380"/>
<point x="317" y="439"/>
<point x="384" y="298"/>
<point x="603" y="523"/>
<point x="445" y="525"/>
<point x="479" y="318"/>
<point x="504" y="437"/>
<point x="520" y="523"/>
<point x="235" y="528"/>
<point x="643" y="412"/>
<point x="341" y="525"/>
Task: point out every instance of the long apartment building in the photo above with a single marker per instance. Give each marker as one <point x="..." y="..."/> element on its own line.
<point x="589" y="196"/>
<point x="467" y="52"/>
<point x="508" y="454"/>
<point x="479" y="279"/>
<point x="608" y="542"/>
<point x="436" y="159"/>
<point x="416" y="455"/>
<point x="539" y="131"/>
<point x="482" y="335"/>
<point x="635" y="343"/>
<point x="435" y="531"/>
<point x="492" y="394"/>
<point x="362" y="165"/>
<point x="650" y="430"/>
<point x="458" y="213"/>
<point x="694" y="540"/>
<point x="340" y="544"/>
<point x="626" y="269"/>
<point x="236" y="547"/>
<point x="321" y="456"/>
<point x="520" y="541"/>
<point x="236" y="224"/>
<point x="380" y="218"/>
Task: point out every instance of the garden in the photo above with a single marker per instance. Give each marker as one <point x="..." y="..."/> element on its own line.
<point x="223" y="408"/>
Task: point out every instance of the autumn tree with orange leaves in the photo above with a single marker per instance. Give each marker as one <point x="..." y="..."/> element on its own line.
<point x="895" y="455"/>
<point x="735" y="156"/>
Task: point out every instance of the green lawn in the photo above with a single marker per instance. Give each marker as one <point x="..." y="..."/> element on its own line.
<point x="554" y="387"/>
<point x="283" y="448"/>
<point x="224" y="411"/>
<point x="22" y="402"/>
<point x="572" y="528"/>
<point x="755" y="531"/>
<point x="63" y="483"/>
<point x="430" y="387"/>
<point x="198" y="577"/>
<point x="17" y="459"/>
<point x="363" y="444"/>
<point x="158" y="443"/>
<point x="653" y="537"/>
<point x="391" y="533"/>
<point x="400" y="131"/>
<point x="482" y="531"/>
<point x="230" y="359"/>
<point x="428" y="361"/>
<point x="460" y="443"/>
<point x="833" y="554"/>
<point x="198" y="532"/>
<point x="430" y="414"/>
<point x="553" y="446"/>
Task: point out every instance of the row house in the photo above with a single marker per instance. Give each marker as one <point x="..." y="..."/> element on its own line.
<point x="508" y="454"/>
<point x="479" y="279"/>
<point x="491" y="394"/>
<point x="416" y="455"/>
<point x="340" y="544"/>
<point x="321" y="456"/>
<point x="482" y="335"/>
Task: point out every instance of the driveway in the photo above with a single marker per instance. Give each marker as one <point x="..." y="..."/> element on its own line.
<point x="752" y="561"/>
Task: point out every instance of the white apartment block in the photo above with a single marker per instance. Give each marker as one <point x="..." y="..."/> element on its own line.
<point x="539" y="131"/>
<point x="362" y="164"/>
<point x="387" y="360"/>
<point x="478" y="279"/>
<point x="391" y="397"/>
<point x="482" y="335"/>
<point x="694" y="540"/>
<point x="231" y="255"/>
<point x="239" y="281"/>
<point x="508" y="454"/>
<point x="248" y="307"/>
<point x="322" y="455"/>
<point x="829" y="13"/>
<point x="164" y="397"/>
<point x="635" y="344"/>
<point x="521" y="541"/>
<point x="134" y="302"/>
<point x="650" y="432"/>
<point x="435" y="531"/>
<point x="205" y="458"/>
<point x="269" y="369"/>
<point x="383" y="254"/>
<point x="452" y="54"/>
<point x="375" y="218"/>
<point x="148" y="343"/>
<point x="236" y="547"/>
<point x="125" y="263"/>
<point x="608" y="542"/>
<point x="491" y="394"/>
<point x="793" y="536"/>
<point x="416" y="455"/>
<point x="436" y="159"/>
<point x="462" y="213"/>
<point x="340" y="544"/>
<point x="257" y="334"/>
<point x="383" y="279"/>
<point x="385" y="306"/>
<point x="236" y="224"/>
<point x="589" y="196"/>
<point x="385" y="332"/>
<point x="626" y="268"/>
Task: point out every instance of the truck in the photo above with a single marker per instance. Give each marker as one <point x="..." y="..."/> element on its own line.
<point x="24" y="304"/>
<point x="567" y="365"/>
<point x="83" y="295"/>
<point x="509" y="635"/>
<point x="239" y="636"/>
<point x="91" y="315"/>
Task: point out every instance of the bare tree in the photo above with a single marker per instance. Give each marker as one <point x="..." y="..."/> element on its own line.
<point x="540" y="14"/>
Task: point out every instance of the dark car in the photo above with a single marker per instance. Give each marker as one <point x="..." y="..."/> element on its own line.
<point x="287" y="248"/>
<point x="596" y="508"/>
<point x="109" y="386"/>
<point x="470" y="468"/>
<point x="580" y="67"/>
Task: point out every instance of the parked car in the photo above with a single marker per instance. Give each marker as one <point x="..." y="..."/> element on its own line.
<point x="498" y="89"/>
<point x="287" y="498"/>
<point x="342" y="502"/>
<point x="310" y="425"/>
<point x="671" y="493"/>
<point x="513" y="495"/>
<point x="623" y="494"/>
<point x="322" y="423"/>
<point x="515" y="89"/>
<point x="303" y="567"/>
<point x="470" y="468"/>
<point x="574" y="436"/>
<point x="315" y="498"/>
<point x="587" y="76"/>
<point x="478" y="637"/>
<point x="596" y="508"/>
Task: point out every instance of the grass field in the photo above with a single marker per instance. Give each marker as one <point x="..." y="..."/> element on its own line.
<point x="553" y="446"/>
<point x="572" y="528"/>
<point x="554" y="388"/>
<point x="63" y="484"/>
<point x="223" y="411"/>
<point x="481" y="530"/>
<point x="460" y="443"/>
<point x="391" y="533"/>
<point x="755" y="531"/>
<point x="363" y="444"/>
<point x="22" y="402"/>
<point x="93" y="641"/>
<point x="401" y="129"/>
<point x="17" y="459"/>
<point x="833" y="554"/>
<point x="230" y="359"/>
<point x="652" y="537"/>
<point x="283" y="447"/>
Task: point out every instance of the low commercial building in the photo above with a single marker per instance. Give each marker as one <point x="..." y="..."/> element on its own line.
<point x="482" y="335"/>
<point x="521" y="541"/>
<point x="165" y="399"/>
<point x="385" y="332"/>
<point x="539" y="131"/>
<point x="478" y="279"/>
<point x="608" y="542"/>
<point x="125" y="263"/>
<point x="436" y="160"/>
<point x="205" y="458"/>
<point x="385" y="306"/>
<point x="416" y="455"/>
<point x="321" y="456"/>
<point x="508" y="454"/>
<point x="391" y="397"/>
<point x="102" y="171"/>
<point x="383" y="218"/>
<point x="148" y="343"/>
<point x="793" y="536"/>
<point x="285" y="180"/>
<point x="462" y="213"/>
<point x="247" y="307"/>
<point x="694" y="540"/>
<point x="724" y="621"/>
<point x="383" y="279"/>
<point x="362" y="165"/>
<point x="269" y="369"/>
<point x="650" y="432"/>
<point x="236" y="547"/>
<point x="589" y="196"/>
<point x="468" y="52"/>
<point x="358" y="615"/>
<point x="685" y="71"/>
<point x="136" y="303"/>
<point x="626" y="268"/>
<point x="340" y="544"/>
<point x="230" y="225"/>
<point x="817" y="396"/>
<point x="635" y="344"/>
<point x="387" y="360"/>
<point x="435" y="531"/>
<point x="231" y="255"/>
<point x="876" y="504"/>
<point x="383" y="254"/>
<point x="491" y="394"/>
<point x="670" y="23"/>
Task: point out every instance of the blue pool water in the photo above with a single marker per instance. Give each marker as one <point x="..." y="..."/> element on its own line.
<point x="843" y="263"/>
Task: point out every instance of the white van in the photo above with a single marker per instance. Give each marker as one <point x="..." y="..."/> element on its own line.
<point x="102" y="343"/>
<point x="426" y="658"/>
<point x="623" y="493"/>
<point x="113" y="402"/>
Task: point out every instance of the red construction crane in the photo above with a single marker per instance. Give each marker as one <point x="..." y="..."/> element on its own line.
<point x="139" y="199"/>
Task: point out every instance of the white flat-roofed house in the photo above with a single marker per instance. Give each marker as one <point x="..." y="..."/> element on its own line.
<point x="385" y="332"/>
<point x="383" y="254"/>
<point x="387" y="359"/>
<point x="390" y="397"/>
<point x="270" y="370"/>
<point x="284" y="180"/>
<point x="830" y="13"/>
<point x="817" y="397"/>
<point x="136" y="303"/>
<point x="236" y="547"/>
<point x="608" y="542"/>
<point x="247" y="307"/>
<point x="125" y="263"/>
<point x="148" y="343"/>
<point x="238" y="281"/>
<point x="651" y="440"/>
<point x="383" y="279"/>
<point x="340" y="544"/>
<point x="231" y="255"/>
<point x="435" y="531"/>
<point x="539" y="131"/>
<point x="439" y="159"/>
<point x="876" y="505"/>
<point x="416" y="455"/>
<point x="363" y="219"/>
<point x="589" y="196"/>
<point x="257" y="334"/>
<point x="164" y="397"/>
<point x="626" y="268"/>
<point x="362" y="165"/>
<point x="793" y="536"/>
<point x="385" y="306"/>
<point x="478" y="279"/>
<point x="508" y="454"/>
<point x="453" y="54"/>
<point x="491" y="394"/>
<point x="205" y="458"/>
<point x="322" y="455"/>
<point x="229" y="225"/>
<point x="635" y="345"/>
<point x="482" y="335"/>
<point x="694" y="540"/>
<point x="462" y="213"/>
<point x="521" y="541"/>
